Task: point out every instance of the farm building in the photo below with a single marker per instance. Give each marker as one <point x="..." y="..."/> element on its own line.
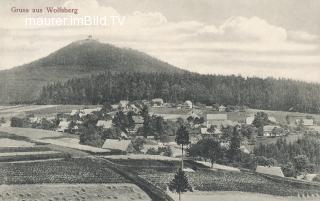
<point x="133" y="108"/>
<point x="85" y="112"/>
<point x="216" y="120"/>
<point x="305" y="122"/>
<point x="222" y="108"/>
<point x="35" y="120"/>
<point x="63" y="126"/>
<point x="74" y="112"/>
<point x="272" y="119"/>
<point x="249" y="120"/>
<point x="123" y="105"/>
<point x="272" y="170"/>
<point x="275" y="131"/>
<point x="187" y="104"/>
<point x="124" y="146"/>
<point x="247" y="148"/>
<point x="292" y="119"/>
<point x="157" y="102"/>
<point x="104" y="124"/>
<point x="114" y="106"/>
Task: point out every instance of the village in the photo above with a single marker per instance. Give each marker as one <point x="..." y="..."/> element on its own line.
<point x="120" y="128"/>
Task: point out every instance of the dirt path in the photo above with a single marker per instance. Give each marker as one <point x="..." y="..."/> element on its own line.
<point x="153" y="192"/>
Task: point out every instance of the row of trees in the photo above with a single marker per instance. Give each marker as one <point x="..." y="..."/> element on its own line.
<point x="275" y="94"/>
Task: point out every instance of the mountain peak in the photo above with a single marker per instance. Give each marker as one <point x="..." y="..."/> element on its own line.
<point x="85" y="41"/>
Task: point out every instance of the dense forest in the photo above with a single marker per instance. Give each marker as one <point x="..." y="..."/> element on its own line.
<point x="272" y="94"/>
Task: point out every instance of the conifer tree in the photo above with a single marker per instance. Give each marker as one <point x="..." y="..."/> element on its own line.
<point x="180" y="183"/>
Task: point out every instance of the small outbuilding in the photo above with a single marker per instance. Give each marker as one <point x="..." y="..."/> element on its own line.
<point x="270" y="170"/>
<point x="122" y="146"/>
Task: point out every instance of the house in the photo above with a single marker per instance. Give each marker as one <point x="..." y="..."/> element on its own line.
<point x="123" y="146"/>
<point x="172" y="117"/>
<point x="204" y="131"/>
<point x="104" y="124"/>
<point x="134" y="108"/>
<point x="138" y="119"/>
<point x="222" y="108"/>
<point x="305" y="122"/>
<point x="272" y="170"/>
<point x="187" y="104"/>
<point x="157" y="102"/>
<point x="123" y="105"/>
<point x="249" y="120"/>
<point x="272" y="119"/>
<point x="245" y="149"/>
<point x="35" y="120"/>
<point x="74" y="112"/>
<point x="114" y="106"/>
<point x="216" y="120"/>
<point x="63" y="126"/>
<point x="138" y="123"/>
<point x="273" y="131"/>
<point x="293" y="119"/>
<point x="85" y="112"/>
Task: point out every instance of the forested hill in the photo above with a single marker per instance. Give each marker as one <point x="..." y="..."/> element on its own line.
<point x="78" y="59"/>
<point x="273" y="94"/>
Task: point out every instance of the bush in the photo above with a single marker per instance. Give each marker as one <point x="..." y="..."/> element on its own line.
<point x="16" y="122"/>
<point x="152" y="151"/>
<point x="165" y="151"/>
<point x="289" y="170"/>
<point x="316" y="178"/>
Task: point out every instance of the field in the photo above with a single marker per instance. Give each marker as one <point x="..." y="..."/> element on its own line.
<point x="49" y="137"/>
<point x="160" y="173"/>
<point x="31" y="133"/>
<point x="73" y="192"/>
<point x="20" y="110"/>
<point x="59" y="109"/>
<point x="6" y="142"/>
<point x="80" y="170"/>
<point x="235" y="196"/>
<point x="19" y="148"/>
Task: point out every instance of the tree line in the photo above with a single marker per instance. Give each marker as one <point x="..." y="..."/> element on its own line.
<point x="272" y="94"/>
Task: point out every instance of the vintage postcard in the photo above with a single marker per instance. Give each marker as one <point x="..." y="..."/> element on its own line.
<point x="162" y="100"/>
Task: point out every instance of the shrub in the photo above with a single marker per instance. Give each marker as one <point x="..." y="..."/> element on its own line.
<point x="316" y="178"/>
<point x="16" y="122"/>
<point x="152" y="151"/>
<point x="165" y="151"/>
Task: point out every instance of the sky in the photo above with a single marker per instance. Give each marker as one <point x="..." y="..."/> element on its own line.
<point x="263" y="38"/>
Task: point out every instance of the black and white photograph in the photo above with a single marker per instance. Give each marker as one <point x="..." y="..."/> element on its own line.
<point x="159" y="100"/>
